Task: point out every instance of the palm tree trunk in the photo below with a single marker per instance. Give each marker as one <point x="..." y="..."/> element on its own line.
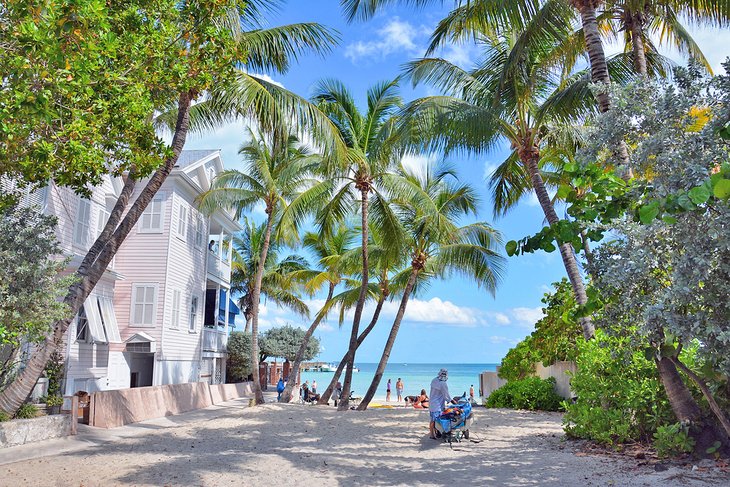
<point x="390" y="342"/>
<point x="352" y="348"/>
<point x="255" y="297"/>
<point x="714" y="407"/>
<point x="680" y="399"/>
<point x="96" y="262"/>
<point x="594" y="48"/>
<point x="327" y="394"/>
<point x="249" y="317"/>
<point x="294" y="372"/>
<point x="637" y="45"/>
<point x="566" y="249"/>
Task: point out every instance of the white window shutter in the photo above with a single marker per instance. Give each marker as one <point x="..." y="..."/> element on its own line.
<point x="110" y="320"/>
<point x="96" y="328"/>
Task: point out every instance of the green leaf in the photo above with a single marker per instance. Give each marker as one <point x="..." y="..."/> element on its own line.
<point x="648" y="213"/>
<point x="511" y="248"/>
<point x="699" y="195"/>
<point x="669" y="219"/>
<point x="722" y="189"/>
<point x="563" y="191"/>
<point x="685" y="202"/>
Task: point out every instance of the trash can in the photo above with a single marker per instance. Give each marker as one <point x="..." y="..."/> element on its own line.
<point x="83" y="412"/>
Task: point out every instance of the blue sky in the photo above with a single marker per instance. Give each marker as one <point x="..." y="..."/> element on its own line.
<point x="454" y="322"/>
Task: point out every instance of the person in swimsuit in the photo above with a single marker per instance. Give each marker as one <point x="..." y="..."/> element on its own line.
<point x="399" y="390"/>
<point x="421" y="401"/>
<point x="387" y="392"/>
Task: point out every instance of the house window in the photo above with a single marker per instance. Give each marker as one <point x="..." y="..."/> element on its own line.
<point x="144" y="299"/>
<point x="193" y="314"/>
<point x="81" y="228"/>
<point x="101" y="222"/>
<point x="82" y="326"/>
<point x="199" y="232"/>
<point x="182" y="221"/>
<point x="151" y="221"/>
<point x="175" y="318"/>
<point x="109" y="319"/>
<point x="95" y="326"/>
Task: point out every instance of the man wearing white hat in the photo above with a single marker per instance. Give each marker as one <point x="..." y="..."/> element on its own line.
<point x="438" y="398"/>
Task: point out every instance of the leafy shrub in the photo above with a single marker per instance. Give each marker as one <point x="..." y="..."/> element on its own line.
<point x="54" y="373"/>
<point x="519" y="361"/>
<point x="531" y="393"/>
<point x="672" y="440"/>
<point x="4" y="416"/>
<point x="27" y="411"/>
<point x="619" y="394"/>
<point x="54" y="400"/>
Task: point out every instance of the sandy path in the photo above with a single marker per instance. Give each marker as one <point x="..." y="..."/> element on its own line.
<point x="283" y="445"/>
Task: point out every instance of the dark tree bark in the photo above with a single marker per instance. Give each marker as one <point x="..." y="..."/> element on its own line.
<point x="255" y="298"/>
<point x="327" y="394"/>
<point x="391" y="337"/>
<point x="352" y="348"/>
<point x="294" y="371"/>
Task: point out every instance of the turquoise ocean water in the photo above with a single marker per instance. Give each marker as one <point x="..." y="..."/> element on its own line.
<point x="415" y="377"/>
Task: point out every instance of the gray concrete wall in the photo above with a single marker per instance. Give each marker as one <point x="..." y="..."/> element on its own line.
<point x="21" y="431"/>
<point x="489" y="382"/>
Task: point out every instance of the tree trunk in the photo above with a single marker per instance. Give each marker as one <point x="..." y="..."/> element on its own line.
<point x="96" y="263"/>
<point x="587" y="248"/>
<point x="327" y="394"/>
<point x="683" y="404"/>
<point x="390" y="342"/>
<point x="596" y="55"/>
<point x="249" y="317"/>
<point x="637" y="45"/>
<point x="255" y="297"/>
<point x="352" y="348"/>
<point x="714" y="407"/>
<point x="294" y="371"/>
<point x="566" y="249"/>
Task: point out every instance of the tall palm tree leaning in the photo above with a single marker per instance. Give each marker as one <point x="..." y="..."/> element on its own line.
<point x="329" y="251"/>
<point x="277" y="168"/>
<point x="437" y="246"/>
<point x="496" y="101"/>
<point x="371" y="149"/>
<point x="271" y="50"/>
<point x="280" y="283"/>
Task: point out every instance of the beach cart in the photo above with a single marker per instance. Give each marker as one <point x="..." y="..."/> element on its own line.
<point x="454" y="422"/>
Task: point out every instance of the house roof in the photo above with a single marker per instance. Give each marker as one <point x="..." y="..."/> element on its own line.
<point x="188" y="157"/>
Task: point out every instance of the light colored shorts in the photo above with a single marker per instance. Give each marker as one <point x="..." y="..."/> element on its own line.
<point x="434" y="415"/>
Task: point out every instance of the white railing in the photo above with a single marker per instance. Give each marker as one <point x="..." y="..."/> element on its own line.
<point x="214" y="340"/>
<point x="218" y="268"/>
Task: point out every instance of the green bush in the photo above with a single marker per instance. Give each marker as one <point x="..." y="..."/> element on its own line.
<point x="4" y="416"/>
<point x="619" y="394"/>
<point x="27" y="411"/>
<point x="532" y="393"/>
<point x="54" y="400"/>
<point x="672" y="440"/>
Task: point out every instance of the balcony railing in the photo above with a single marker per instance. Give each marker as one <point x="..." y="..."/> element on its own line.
<point x="218" y="267"/>
<point x="214" y="340"/>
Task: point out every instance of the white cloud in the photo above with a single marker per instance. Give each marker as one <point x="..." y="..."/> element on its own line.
<point x="463" y="55"/>
<point x="501" y="339"/>
<point x="268" y="78"/>
<point x="502" y="318"/>
<point x="395" y="36"/>
<point x="527" y="317"/>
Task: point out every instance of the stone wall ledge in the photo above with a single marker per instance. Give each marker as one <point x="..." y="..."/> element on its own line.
<point x="21" y="431"/>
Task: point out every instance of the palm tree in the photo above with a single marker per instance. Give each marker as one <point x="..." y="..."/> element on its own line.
<point x="438" y="246"/>
<point x="279" y="283"/>
<point x="277" y="169"/>
<point x="371" y="149"/>
<point x="329" y="251"/>
<point x="270" y="50"/>
<point x="496" y="101"/>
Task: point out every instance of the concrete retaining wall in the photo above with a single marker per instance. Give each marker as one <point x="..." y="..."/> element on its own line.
<point x="22" y="431"/>
<point x="490" y="381"/>
<point x="110" y="409"/>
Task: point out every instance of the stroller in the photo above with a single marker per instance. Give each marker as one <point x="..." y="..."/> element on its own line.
<point x="454" y="422"/>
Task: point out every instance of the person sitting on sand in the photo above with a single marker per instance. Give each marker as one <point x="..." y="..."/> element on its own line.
<point x="421" y="401"/>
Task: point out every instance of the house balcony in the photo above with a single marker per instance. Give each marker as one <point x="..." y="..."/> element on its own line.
<point x="219" y="269"/>
<point x="214" y="340"/>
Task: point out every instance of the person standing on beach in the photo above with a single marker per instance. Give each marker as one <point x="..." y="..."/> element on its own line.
<point x="399" y="390"/>
<point x="438" y="398"/>
<point x="314" y="387"/>
<point x="387" y="391"/>
<point x="471" y="394"/>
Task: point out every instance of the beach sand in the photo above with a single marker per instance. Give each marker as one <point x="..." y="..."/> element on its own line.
<point x="298" y="445"/>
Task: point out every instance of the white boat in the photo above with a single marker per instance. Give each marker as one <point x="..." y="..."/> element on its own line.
<point x="328" y="368"/>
